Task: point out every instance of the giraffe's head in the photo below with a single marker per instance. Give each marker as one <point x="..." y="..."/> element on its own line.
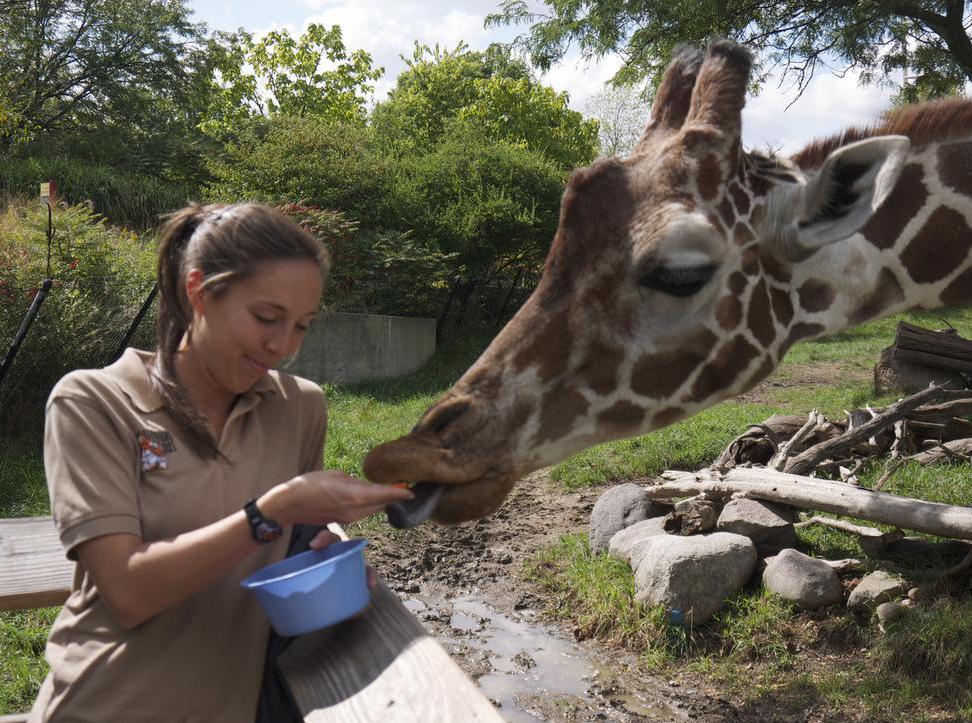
<point x="668" y="287"/>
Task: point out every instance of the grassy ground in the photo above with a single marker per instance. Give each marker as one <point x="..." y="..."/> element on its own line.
<point x="758" y="649"/>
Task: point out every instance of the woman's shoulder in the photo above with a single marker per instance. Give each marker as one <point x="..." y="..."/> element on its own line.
<point x="295" y="387"/>
<point x="127" y="376"/>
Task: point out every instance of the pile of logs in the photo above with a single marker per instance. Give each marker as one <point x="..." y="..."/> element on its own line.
<point x="778" y="461"/>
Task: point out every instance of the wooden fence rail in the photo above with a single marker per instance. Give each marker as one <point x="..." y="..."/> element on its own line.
<point x="382" y="666"/>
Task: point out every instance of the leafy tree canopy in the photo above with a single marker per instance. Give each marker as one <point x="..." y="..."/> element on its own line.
<point x="313" y="75"/>
<point x="69" y="65"/>
<point x="926" y="41"/>
<point x="491" y="90"/>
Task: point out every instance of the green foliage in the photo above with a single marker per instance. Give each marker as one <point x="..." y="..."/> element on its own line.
<point x="376" y="272"/>
<point x="483" y="199"/>
<point x="533" y="116"/>
<point x="491" y="90"/>
<point x="131" y="199"/>
<point x="927" y="41"/>
<point x="102" y="275"/>
<point x="308" y="160"/>
<point x="313" y="75"/>
<point x="117" y="82"/>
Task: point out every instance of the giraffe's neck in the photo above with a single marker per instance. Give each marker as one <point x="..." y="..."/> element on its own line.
<point x="915" y="252"/>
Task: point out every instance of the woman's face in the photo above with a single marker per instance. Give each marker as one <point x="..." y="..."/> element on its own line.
<point x="258" y="321"/>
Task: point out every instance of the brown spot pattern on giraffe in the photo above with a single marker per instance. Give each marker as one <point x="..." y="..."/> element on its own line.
<point x="782" y="306"/>
<point x="905" y="200"/>
<point x="941" y="245"/>
<point x="960" y="290"/>
<point x="622" y="414"/>
<point x="559" y="408"/>
<point x="740" y="198"/>
<point x="750" y="260"/>
<point x="726" y="212"/>
<point x="742" y="234"/>
<point x="955" y="166"/>
<point x="738" y="283"/>
<point x="816" y="295"/>
<point x="724" y="370"/>
<point x="729" y="312"/>
<point x="599" y="370"/>
<point x="773" y="267"/>
<point x="710" y="177"/>
<point x="886" y="291"/>
<point x="550" y="349"/>
<point x="760" y="320"/>
<point x="660" y="374"/>
<point x="765" y="369"/>
<point x="667" y="416"/>
<point x="800" y="331"/>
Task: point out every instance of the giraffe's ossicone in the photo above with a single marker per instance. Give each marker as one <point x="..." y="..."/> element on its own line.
<point x="680" y="276"/>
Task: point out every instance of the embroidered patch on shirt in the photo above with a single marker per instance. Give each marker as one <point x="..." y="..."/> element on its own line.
<point x="155" y="445"/>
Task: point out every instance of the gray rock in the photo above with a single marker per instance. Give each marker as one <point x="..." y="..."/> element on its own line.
<point x="889" y="612"/>
<point x="808" y="582"/>
<point x="628" y="545"/>
<point x="874" y="589"/>
<point x="616" y="509"/>
<point x="769" y="526"/>
<point x="692" y="516"/>
<point x="694" y="574"/>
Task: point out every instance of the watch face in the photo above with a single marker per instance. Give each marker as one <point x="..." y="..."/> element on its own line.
<point x="267" y="531"/>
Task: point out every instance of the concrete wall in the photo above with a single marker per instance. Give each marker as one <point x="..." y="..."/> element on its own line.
<point x="353" y="347"/>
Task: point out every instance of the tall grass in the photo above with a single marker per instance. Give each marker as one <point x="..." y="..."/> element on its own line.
<point x="128" y="199"/>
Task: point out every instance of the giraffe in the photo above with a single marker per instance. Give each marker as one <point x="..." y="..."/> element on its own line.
<point x="680" y="276"/>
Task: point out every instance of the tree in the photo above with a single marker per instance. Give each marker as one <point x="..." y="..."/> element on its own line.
<point x="491" y="90"/>
<point x="313" y="75"/>
<point x="621" y="111"/>
<point x="925" y="41"/>
<point x="74" y="64"/>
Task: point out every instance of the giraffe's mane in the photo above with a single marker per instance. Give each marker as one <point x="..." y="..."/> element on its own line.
<point x="923" y="123"/>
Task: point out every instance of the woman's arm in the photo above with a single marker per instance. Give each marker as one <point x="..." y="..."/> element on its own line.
<point x="138" y="580"/>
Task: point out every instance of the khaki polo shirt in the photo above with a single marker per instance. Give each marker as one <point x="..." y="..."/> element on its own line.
<point x="116" y="462"/>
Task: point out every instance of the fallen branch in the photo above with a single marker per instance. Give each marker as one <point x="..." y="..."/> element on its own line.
<point x="871" y="539"/>
<point x="824" y="495"/>
<point x="808" y="460"/>
<point x="958" y="450"/>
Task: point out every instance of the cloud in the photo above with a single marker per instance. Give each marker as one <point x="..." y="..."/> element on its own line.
<point x="828" y="105"/>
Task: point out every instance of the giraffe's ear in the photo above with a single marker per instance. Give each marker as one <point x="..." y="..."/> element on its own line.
<point x="851" y="184"/>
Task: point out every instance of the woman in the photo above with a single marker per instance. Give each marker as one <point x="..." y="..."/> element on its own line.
<point x="175" y="474"/>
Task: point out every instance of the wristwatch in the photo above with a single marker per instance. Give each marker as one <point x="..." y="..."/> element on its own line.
<point x="263" y="530"/>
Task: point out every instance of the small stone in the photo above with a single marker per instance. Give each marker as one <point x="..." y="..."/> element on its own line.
<point x="917" y="593"/>
<point x="874" y="589"/>
<point x="888" y="613"/>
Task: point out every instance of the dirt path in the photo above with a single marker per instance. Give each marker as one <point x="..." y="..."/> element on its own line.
<point x="465" y="584"/>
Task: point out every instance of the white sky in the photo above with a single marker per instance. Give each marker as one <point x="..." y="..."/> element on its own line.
<point x="388" y="29"/>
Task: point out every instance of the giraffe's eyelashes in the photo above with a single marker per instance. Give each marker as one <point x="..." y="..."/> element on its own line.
<point x="677" y="281"/>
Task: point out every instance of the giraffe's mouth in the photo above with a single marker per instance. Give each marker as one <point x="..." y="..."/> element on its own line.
<point x="403" y="515"/>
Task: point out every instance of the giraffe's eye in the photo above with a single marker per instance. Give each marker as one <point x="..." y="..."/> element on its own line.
<point x="677" y="281"/>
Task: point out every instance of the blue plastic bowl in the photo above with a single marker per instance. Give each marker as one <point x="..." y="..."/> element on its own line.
<point x="313" y="589"/>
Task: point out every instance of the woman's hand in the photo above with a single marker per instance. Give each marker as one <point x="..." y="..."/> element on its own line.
<point x="319" y="498"/>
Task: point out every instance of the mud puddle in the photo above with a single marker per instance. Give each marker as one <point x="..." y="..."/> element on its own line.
<point x="529" y="670"/>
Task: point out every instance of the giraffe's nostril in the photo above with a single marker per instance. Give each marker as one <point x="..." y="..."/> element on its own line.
<point x="442" y="416"/>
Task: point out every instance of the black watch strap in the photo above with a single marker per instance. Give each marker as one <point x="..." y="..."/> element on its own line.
<point x="263" y="530"/>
